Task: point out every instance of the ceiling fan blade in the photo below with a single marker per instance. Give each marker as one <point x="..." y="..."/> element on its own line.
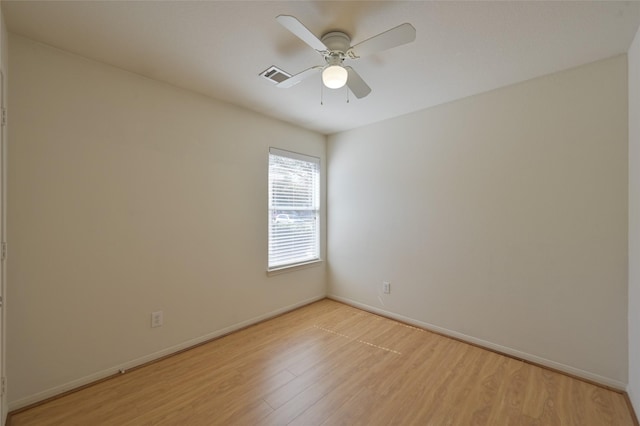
<point x="296" y="27"/>
<point x="356" y="84"/>
<point x="297" y="78"/>
<point x="402" y="34"/>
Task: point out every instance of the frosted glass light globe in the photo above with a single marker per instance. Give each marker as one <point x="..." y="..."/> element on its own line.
<point x="334" y="76"/>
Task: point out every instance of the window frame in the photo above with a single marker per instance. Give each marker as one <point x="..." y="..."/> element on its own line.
<point x="317" y="190"/>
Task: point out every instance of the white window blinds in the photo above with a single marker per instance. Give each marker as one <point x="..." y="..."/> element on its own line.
<point x="294" y="206"/>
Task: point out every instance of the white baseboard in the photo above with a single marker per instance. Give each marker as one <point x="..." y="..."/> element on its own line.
<point x="57" y="390"/>
<point x="596" y="378"/>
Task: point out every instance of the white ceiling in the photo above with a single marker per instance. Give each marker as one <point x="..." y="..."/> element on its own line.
<point x="219" y="48"/>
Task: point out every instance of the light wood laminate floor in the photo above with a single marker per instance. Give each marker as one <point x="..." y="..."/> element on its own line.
<point x="331" y="364"/>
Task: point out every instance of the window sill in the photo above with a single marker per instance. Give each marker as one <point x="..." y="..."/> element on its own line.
<point x="292" y="268"/>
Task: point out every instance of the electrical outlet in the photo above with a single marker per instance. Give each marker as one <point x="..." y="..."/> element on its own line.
<point x="156" y="319"/>
<point x="386" y="287"/>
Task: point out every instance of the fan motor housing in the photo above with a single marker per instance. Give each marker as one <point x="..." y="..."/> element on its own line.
<point x="337" y="41"/>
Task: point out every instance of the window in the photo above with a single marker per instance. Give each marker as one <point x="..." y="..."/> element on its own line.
<point x="294" y="206"/>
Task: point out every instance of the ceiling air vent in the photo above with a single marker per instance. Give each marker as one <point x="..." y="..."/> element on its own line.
<point x="275" y="74"/>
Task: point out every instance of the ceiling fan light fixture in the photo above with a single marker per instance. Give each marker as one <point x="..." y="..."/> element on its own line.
<point x="334" y="76"/>
<point x="335" y="47"/>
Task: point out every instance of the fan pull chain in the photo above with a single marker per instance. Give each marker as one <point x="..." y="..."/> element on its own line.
<point x="347" y="89"/>
<point x="321" y="93"/>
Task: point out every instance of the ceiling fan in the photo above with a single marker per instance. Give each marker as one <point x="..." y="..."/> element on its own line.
<point x="335" y="47"/>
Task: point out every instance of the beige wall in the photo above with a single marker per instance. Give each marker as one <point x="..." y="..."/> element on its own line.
<point x="128" y="196"/>
<point x="634" y="223"/>
<point x="4" y="61"/>
<point x="500" y="218"/>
